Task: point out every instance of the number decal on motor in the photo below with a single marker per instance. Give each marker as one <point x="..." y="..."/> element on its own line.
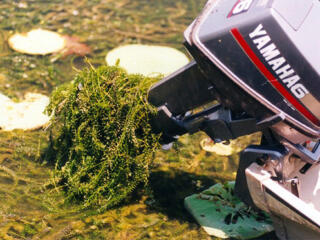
<point x="241" y="6"/>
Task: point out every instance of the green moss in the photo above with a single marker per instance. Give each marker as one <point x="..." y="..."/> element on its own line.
<point x="104" y="144"/>
<point x="29" y="230"/>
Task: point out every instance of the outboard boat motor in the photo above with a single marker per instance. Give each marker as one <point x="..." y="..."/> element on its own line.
<point x="256" y="68"/>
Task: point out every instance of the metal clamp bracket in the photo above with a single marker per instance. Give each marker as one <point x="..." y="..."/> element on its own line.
<point x="217" y="122"/>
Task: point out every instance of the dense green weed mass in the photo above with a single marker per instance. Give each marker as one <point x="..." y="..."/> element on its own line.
<point x="103" y="144"/>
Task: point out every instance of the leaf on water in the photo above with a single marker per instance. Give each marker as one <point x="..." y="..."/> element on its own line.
<point x="37" y="42"/>
<point x="147" y="60"/>
<point x="42" y="42"/>
<point x="74" y="46"/>
<point x="26" y="115"/>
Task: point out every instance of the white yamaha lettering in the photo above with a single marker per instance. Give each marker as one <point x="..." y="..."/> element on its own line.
<point x="242" y="6"/>
<point x="278" y="63"/>
<point x="299" y="90"/>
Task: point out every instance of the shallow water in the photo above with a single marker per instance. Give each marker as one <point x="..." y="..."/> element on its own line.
<point x="30" y="206"/>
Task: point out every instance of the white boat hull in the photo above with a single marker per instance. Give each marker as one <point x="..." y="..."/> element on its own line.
<point x="294" y="217"/>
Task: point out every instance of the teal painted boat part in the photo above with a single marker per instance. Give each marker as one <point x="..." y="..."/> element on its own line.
<point x="223" y="215"/>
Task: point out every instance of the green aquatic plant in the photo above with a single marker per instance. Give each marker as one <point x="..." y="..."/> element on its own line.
<point x="104" y="145"/>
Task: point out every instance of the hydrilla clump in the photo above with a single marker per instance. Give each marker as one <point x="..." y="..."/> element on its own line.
<point x="104" y="144"/>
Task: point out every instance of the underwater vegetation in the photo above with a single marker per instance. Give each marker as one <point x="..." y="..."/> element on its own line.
<point x="104" y="144"/>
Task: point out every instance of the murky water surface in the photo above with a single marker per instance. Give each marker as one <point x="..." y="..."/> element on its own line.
<point x="30" y="205"/>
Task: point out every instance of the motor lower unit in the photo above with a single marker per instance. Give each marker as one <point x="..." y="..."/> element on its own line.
<point x="256" y="66"/>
